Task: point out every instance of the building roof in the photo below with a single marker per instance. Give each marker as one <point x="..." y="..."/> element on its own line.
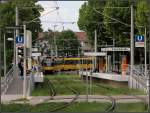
<point x="40" y="35"/>
<point x="81" y="36"/>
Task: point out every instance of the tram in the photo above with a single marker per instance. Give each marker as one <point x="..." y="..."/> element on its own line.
<point x="51" y="65"/>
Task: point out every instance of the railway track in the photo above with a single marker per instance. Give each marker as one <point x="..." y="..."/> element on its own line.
<point x="57" y="108"/>
<point x="52" y="91"/>
<point x="113" y="101"/>
<point x="71" y="100"/>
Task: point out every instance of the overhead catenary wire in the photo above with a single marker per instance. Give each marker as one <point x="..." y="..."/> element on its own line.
<point x="111" y="18"/>
<point x="41" y="16"/>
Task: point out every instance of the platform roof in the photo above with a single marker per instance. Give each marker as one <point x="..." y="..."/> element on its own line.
<point x="95" y="53"/>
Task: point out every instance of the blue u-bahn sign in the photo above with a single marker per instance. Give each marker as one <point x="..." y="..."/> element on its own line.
<point x="19" y="40"/>
<point x="139" y="40"/>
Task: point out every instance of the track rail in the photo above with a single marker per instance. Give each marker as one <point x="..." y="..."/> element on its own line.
<point x="52" y="90"/>
<point x="57" y="108"/>
<point x="112" y="106"/>
<point x="113" y="101"/>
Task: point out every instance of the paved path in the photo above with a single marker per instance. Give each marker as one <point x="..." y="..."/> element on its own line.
<point x="15" y="88"/>
<point x="67" y="98"/>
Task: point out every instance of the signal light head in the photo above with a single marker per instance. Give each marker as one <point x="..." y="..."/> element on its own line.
<point x="20" y="51"/>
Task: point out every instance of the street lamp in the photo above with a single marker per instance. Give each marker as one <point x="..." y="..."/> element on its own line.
<point x="5" y="55"/>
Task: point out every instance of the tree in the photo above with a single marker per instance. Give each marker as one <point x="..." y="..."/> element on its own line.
<point x="89" y="20"/>
<point x="67" y="43"/>
<point x="7" y="18"/>
<point x="121" y="17"/>
<point x="141" y="22"/>
<point x="32" y="10"/>
<point x="141" y="15"/>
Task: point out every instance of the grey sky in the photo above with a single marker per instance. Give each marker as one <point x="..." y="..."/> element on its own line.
<point x="68" y="12"/>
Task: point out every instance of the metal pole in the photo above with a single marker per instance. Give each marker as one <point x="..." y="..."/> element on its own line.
<point x="0" y="52"/>
<point x="79" y="60"/>
<point x="132" y="44"/>
<point x="24" y="82"/>
<point x="14" y="48"/>
<point x="5" y="55"/>
<point x="17" y="34"/>
<point x="87" y="85"/>
<point x="91" y="80"/>
<point x="95" y="47"/>
<point x="51" y="50"/>
<point x="113" y="55"/>
<point x="55" y="42"/>
<point x="145" y="54"/>
<point x="15" y="64"/>
<point x="149" y="57"/>
<point x="56" y="51"/>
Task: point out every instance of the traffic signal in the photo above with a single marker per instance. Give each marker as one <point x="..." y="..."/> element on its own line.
<point x="20" y="52"/>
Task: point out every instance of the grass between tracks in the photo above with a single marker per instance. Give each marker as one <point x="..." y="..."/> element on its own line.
<point x="78" y="84"/>
<point x="76" y="107"/>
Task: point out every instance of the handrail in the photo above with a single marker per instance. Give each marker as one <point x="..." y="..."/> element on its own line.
<point x="140" y="78"/>
<point x="136" y="71"/>
<point x="7" y="80"/>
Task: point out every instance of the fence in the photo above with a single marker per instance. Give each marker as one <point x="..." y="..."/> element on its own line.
<point x="138" y="80"/>
<point x="7" y="80"/>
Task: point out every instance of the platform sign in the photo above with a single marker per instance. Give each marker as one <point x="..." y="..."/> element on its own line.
<point x="95" y="54"/>
<point x="36" y="54"/>
<point x="116" y="49"/>
<point x="19" y="41"/>
<point x="139" y="40"/>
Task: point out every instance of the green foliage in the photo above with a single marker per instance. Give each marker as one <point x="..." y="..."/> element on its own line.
<point x="117" y="29"/>
<point x="107" y="14"/>
<point x="88" y="20"/>
<point x="67" y="43"/>
<point x="141" y="15"/>
<point x="28" y="10"/>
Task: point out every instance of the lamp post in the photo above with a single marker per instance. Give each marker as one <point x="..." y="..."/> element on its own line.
<point x="131" y="46"/>
<point x="5" y="55"/>
<point x="25" y="79"/>
<point x="17" y="34"/>
<point x="145" y="54"/>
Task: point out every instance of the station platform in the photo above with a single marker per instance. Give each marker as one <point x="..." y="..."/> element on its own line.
<point x="107" y="76"/>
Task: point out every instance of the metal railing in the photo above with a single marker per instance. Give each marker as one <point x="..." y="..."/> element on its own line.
<point x="138" y="70"/>
<point x="139" y="79"/>
<point x="7" y="80"/>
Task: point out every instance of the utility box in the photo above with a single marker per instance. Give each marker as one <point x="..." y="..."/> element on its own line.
<point x="29" y="48"/>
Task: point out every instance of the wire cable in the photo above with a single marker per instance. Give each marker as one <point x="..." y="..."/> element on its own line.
<point x="41" y="16"/>
<point x="112" y="18"/>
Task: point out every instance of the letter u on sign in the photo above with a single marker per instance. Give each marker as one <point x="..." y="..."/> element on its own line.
<point x="140" y="38"/>
<point x="19" y="39"/>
